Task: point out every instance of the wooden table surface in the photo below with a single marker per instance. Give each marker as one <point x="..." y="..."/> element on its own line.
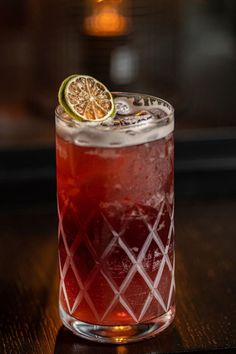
<point x="206" y="285"/>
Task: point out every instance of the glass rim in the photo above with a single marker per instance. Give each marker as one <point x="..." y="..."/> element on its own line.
<point x="109" y="133"/>
<point x="146" y="95"/>
<point x="161" y="101"/>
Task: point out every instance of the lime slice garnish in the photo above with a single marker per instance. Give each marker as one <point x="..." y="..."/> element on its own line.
<point x="85" y="98"/>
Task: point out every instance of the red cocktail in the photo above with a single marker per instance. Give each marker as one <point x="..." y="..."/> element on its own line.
<point x="116" y="231"/>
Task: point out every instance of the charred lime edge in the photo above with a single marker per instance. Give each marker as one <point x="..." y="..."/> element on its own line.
<point x="62" y="100"/>
<point x="63" y="103"/>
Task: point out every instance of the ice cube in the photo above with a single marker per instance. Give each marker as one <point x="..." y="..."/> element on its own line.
<point x="138" y="117"/>
<point x="123" y="106"/>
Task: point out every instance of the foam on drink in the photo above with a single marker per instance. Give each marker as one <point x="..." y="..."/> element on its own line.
<point x="139" y="119"/>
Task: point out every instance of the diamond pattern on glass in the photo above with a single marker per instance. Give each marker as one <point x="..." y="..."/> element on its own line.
<point x="101" y="293"/>
<point x="136" y="293"/>
<point x="134" y="225"/>
<point x="117" y="264"/>
<point x="152" y="260"/>
<point x="83" y="261"/>
<point x="62" y="251"/>
<point x="98" y="233"/>
<point x="71" y="287"/>
<point x="150" y="310"/>
<point x="83" y="309"/>
<point x="162" y="227"/>
<point x="112" y="277"/>
<point x="114" y="213"/>
<point x="165" y="283"/>
<point x="121" y="314"/>
<point x="63" y="299"/>
<point x="70" y="217"/>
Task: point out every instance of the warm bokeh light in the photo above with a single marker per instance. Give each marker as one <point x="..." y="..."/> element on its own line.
<point x="121" y="314"/>
<point x="121" y="328"/>
<point x="121" y="349"/>
<point x="120" y="339"/>
<point x="106" y="19"/>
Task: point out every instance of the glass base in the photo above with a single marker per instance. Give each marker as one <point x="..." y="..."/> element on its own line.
<point x="118" y="334"/>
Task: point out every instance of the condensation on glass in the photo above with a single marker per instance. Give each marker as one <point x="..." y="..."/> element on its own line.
<point x="115" y="183"/>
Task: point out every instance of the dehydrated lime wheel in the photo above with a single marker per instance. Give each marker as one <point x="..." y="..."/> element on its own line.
<point x="86" y="99"/>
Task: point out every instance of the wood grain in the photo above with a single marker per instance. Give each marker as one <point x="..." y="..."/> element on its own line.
<point x="206" y="285"/>
<point x="28" y="265"/>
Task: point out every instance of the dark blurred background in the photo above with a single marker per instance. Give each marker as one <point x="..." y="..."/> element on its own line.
<point x="183" y="51"/>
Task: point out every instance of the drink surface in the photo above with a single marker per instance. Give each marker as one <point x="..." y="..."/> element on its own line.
<point x="116" y="233"/>
<point x="139" y="119"/>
